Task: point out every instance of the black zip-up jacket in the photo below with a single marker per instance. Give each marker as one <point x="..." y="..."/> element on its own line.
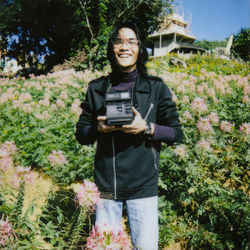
<point x="126" y="165"/>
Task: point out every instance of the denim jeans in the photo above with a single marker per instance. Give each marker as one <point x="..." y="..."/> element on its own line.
<point x="142" y="217"/>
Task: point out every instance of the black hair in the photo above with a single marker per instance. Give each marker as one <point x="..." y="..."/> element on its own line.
<point x="143" y="53"/>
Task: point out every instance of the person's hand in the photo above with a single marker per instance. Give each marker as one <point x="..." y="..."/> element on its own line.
<point x="138" y="125"/>
<point x="102" y="127"/>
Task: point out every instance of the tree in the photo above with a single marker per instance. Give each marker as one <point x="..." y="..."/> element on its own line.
<point x="241" y="45"/>
<point x="210" y="45"/>
<point x="58" y="29"/>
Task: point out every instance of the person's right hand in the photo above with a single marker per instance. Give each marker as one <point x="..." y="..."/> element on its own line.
<point x="102" y="127"/>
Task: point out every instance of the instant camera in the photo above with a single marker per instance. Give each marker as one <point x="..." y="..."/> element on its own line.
<point x="118" y="108"/>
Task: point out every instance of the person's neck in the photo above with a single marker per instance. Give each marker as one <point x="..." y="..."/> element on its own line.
<point x="120" y="76"/>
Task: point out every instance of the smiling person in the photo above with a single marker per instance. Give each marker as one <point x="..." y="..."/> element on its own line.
<point x="127" y="155"/>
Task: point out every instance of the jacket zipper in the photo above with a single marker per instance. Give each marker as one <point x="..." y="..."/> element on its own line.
<point x="149" y="110"/>
<point x="114" y="166"/>
<point x="145" y="118"/>
<point x="154" y="158"/>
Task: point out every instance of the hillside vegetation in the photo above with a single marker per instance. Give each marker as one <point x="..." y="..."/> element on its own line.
<point x="203" y="183"/>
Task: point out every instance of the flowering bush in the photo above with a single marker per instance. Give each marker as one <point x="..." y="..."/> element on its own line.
<point x="203" y="185"/>
<point x="88" y="195"/>
<point x="6" y="232"/>
<point x="108" y="239"/>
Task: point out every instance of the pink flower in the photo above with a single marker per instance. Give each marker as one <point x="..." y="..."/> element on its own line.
<point x="198" y="105"/>
<point x="229" y="90"/>
<point x="187" y="116"/>
<point x="75" y="109"/>
<point x="211" y="92"/>
<point x="44" y="102"/>
<point x="204" y="125"/>
<point x="245" y="99"/>
<point x="185" y="99"/>
<point x="5" y="161"/>
<point x="64" y="95"/>
<point x="6" y="232"/>
<point x="57" y="158"/>
<point x="226" y="126"/>
<point x="219" y="87"/>
<point x="27" y="108"/>
<point x="60" y="103"/>
<point x="213" y="118"/>
<point x="108" y="239"/>
<point x="9" y="147"/>
<point x="25" y="97"/>
<point x="88" y="195"/>
<point x="181" y="89"/>
<point x="204" y="144"/>
<point x="245" y="128"/>
<point x="180" y="150"/>
<point x="22" y="175"/>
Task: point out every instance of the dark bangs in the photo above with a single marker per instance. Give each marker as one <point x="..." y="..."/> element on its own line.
<point x="143" y="53"/>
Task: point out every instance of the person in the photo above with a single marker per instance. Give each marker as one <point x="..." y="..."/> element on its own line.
<point x="127" y="156"/>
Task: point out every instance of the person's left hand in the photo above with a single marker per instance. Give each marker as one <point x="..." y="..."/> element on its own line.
<point x="138" y="125"/>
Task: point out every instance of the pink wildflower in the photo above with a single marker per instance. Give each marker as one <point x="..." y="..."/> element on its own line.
<point x="53" y="107"/>
<point x="213" y="118"/>
<point x="246" y="90"/>
<point x="60" y="103"/>
<point x="185" y="99"/>
<point x="245" y="128"/>
<point x="198" y="105"/>
<point x="9" y="147"/>
<point x="200" y="89"/>
<point x="245" y="99"/>
<point x="27" y="108"/>
<point x="204" y="144"/>
<point x="21" y="175"/>
<point x="6" y="232"/>
<point x="75" y="109"/>
<point x="5" y="160"/>
<point x="64" y="95"/>
<point x="44" y="102"/>
<point x="211" y="92"/>
<point x="181" y="89"/>
<point x="219" y="87"/>
<point x="180" y="151"/>
<point x="57" y="158"/>
<point x="25" y="97"/>
<point x="88" y="195"/>
<point x="108" y="239"/>
<point x="187" y="116"/>
<point x="204" y="125"/>
<point x="226" y="126"/>
<point x="229" y="90"/>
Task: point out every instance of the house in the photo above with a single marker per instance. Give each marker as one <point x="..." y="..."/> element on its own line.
<point x="173" y="36"/>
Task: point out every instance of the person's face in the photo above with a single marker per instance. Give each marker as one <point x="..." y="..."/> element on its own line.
<point x="126" y="50"/>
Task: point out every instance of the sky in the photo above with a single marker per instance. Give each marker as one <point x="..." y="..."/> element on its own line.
<point x="216" y="20"/>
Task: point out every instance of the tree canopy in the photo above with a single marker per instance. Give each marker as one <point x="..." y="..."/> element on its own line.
<point x="58" y="29"/>
<point x="241" y="44"/>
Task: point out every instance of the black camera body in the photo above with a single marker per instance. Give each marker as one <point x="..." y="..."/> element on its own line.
<point x="119" y="108"/>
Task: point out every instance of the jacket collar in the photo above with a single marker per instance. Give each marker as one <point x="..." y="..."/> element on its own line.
<point x="141" y="85"/>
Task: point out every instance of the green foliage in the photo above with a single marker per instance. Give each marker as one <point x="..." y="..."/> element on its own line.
<point x="241" y="45"/>
<point x="17" y="211"/>
<point x="203" y="190"/>
<point x="74" y="26"/>
<point x="210" y="45"/>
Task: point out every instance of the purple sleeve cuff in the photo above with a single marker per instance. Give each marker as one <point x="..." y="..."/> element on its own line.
<point x="163" y="133"/>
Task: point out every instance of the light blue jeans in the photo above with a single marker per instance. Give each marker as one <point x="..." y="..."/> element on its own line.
<point x="142" y="217"/>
